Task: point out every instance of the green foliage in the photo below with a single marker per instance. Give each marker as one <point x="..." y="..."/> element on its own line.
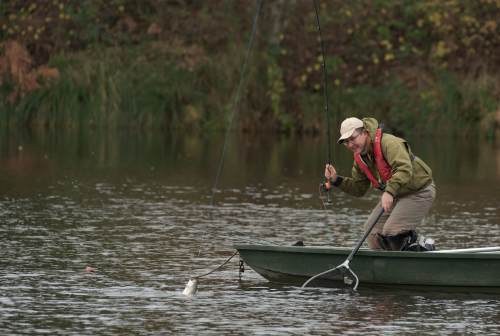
<point x="105" y="92"/>
<point x="445" y="107"/>
<point x="413" y="64"/>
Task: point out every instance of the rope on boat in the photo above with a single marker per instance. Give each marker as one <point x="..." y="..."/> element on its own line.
<point x="215" y="269"/>
<point x="230" y="123"/>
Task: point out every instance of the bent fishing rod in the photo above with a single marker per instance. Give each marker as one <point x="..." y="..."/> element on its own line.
<point x="326" y="86"/>
<point x="327" y="187"/>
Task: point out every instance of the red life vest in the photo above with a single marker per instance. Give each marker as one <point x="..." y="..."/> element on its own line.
<point x="383" y="167"/>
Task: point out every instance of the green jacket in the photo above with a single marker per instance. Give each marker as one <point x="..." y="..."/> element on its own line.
<point x="407" y="177"/>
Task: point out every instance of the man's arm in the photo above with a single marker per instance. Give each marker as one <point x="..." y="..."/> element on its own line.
<point x="399" y="159"/>
<point x="357" y="185"/>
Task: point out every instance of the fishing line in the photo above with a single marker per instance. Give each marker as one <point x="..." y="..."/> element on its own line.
<point x="230" y="123"/>
<point x="327" y="122"/>
<point x="332" y="219"/>
<point x="177" y="212"/>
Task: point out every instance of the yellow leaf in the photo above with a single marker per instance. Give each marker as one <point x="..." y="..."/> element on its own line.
<point x="489" y="26"/>
<point x="442" y="50"/>
<point x="468" y="19"/>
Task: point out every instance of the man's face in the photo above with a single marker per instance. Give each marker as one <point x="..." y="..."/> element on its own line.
<point x="357" y="143"/>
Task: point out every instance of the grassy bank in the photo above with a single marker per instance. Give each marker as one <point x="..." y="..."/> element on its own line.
<point x="421" y="68"/>
<point x="117" y="89"/>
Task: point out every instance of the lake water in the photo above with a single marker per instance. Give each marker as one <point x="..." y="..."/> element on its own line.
<point x="52" y="229"/>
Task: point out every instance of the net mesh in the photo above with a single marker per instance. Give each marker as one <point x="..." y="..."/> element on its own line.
<point x="340" y="276"/>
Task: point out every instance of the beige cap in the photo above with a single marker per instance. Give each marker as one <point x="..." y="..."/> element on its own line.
<point x="348" y="127"/>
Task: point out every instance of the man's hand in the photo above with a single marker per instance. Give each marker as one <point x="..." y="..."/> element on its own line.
<point x="387" y="200"/>
<point x="330" y="173"/>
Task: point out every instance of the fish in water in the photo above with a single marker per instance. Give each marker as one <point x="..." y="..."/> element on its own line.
<point x="191" y="287"/>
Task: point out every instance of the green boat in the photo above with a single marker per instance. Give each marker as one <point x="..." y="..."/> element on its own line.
<point x="296" y="264"/>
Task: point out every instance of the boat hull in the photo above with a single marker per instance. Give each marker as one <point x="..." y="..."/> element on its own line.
<point x="294" y="265"/>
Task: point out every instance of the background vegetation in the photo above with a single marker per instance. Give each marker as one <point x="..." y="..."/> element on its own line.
<point x="420" y="67"/>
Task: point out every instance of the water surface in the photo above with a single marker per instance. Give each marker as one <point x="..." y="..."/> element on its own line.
<point x="52" y="229"/>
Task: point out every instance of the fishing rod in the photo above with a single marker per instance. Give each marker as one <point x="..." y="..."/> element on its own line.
<point x="174" y="211"/>
<point x="326" y="87"/>
<point x="327" y="188"/>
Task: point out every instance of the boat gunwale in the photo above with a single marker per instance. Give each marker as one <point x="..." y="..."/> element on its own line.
<point x="367" y="253"/>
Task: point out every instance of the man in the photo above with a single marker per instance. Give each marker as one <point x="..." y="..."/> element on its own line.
<point x="387" y="163"/>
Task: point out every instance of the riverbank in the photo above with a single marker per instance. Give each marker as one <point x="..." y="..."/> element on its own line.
<point x="179" y="66"/>
<point x="125" y="89"/>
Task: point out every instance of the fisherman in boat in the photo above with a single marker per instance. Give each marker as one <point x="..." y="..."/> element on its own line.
<point x="385" y="162"/>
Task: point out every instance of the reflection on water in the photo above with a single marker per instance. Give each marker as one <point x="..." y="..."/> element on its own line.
<point x="52" y="229"/>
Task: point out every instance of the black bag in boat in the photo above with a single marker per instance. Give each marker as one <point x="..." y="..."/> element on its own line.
<point x="401" y="239"/>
